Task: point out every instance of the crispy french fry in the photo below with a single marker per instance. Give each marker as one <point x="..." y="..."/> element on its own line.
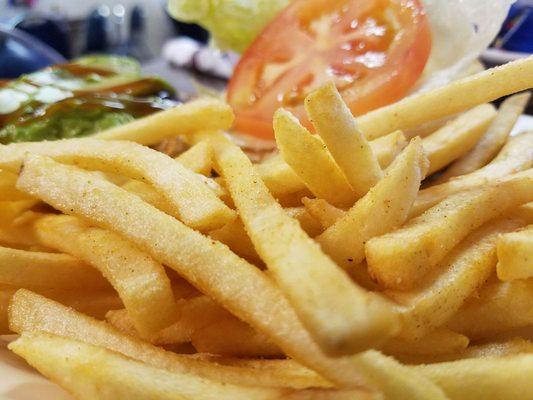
<point x="385" y="207"/>
<point x="235" y="237"/>
<point x="437" y="342"/>
<point x="30" y="312"/>
<point x="188" y="118"/>
<point x="399" y="260"/>
<point x="233" y="338"/>
<point x="311" y="161"/>
<point x="492" y="141"/>
<point x="387" y="147"/>
<point x="209" y="265"/>
<point x="192" y="201"/>
<point x="140" y="281"/>
<point x="149" y="195"/>
<point x="90" y="372"/>
<point x="342" y="317"/>
<point x="499" y="307"/>
<point x="497" y="378"/>
<point x="443" y="292"/>
<point x="336" y="125"/>
<point x="458" y="137"/>
<point x="8" y="191"/>
<point x="199" y="158"/>
<point x="323" y="212"/>
<point x="516" y="155"/>
<point x="515" y="255"/>
<point x="451" y="99"/>
<point x="9" y="210"/>
<point x="307" y="222"/>
<point x="32" y="269"/>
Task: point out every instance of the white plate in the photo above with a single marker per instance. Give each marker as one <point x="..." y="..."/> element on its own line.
<point x="20" y="382"/>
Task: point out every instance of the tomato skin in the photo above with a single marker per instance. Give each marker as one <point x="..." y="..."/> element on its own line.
<point x="305" y="62"/>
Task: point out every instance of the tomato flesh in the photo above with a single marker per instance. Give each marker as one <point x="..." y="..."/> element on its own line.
<point x="374" y="51"/>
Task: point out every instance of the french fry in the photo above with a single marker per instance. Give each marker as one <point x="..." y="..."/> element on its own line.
<point x="140" y="281"/>
<point x="192" y="201"/>
<point x="387" y="147"/>
<point x="9" y="210"/>
<point x="32" y="269"/>
<point x="185" y="119"/>
<point x="8" y="192"/>
<point x="199" y="158"/>
<point x="233" y="338"/>
<point x="209" y="265"/>
<point x="458" y="137"/>
<point x="493" y="140"/>
<point x="516" y="155"/>
<point x="307" y="222"/>
<point x="342" y="317"/>
<point x="30" y="312"/>
<point x="497" y="378"/>
<point x="434" y="302"/>
<point x="311" y="161"/>
<point x="437" y="342"/>
<point x="336" y="125"/>
<point x="323" y="212"/>
<point x="149" y="195"/>
<point x="400" y="259"/>
<point x="515" y="255"/>
<point x="90" y="372"/>
<point x="499" y="307"/>
<point x="385" y="207"/>
<point x="451" y="99"/>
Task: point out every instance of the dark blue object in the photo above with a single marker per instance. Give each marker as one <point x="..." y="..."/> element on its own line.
<point x="21" y="53"/>
<point x="517" y="33"/>
<point x="52" y="30"/>
<point x="97" y="32"/>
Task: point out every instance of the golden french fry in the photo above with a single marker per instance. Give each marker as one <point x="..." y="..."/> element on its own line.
<point x="515" y="255"/>
<point x="400" y="259"/>
<point x="199" y="158"/>
<point x="342" y="317"/>
<point x="323" y="212"/>
<point x="496" y="378"/>
<point x="8" y="191"/>
<point x="458" y="137"/>
<point x="32" y="269"/>
<point x="233" y="338"/>
<point x="192" y="201"/>
<point x="443" y="292"/>
<point x="140" y="281"/>
<point x="209" y="265"/>
<point x="188" y="118"/>
<point x="311" y="161"/>
<point x="437" y="342"/>
<point x="30" y="312"/>
<point x="235" y="237"/>
<point x="516" y="155"/>
<point x="499" y="307"/>
<point x="387" y="147"/>
<point x="307" y="222"/>
<point x="451" y="99"/>
<point x="385" y="207"/>
<point x="492" y="141"/>
<point x="149" y="195"/>
<point x="336" y="125"/>
<point x="9" y="210"/>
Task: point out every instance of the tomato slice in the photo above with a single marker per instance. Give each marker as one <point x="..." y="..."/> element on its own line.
<point x="374" y="51"/>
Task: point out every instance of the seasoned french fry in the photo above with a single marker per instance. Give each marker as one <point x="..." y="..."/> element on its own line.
<point x="516" y="155"/>
<point x="311" y="161"/>
<point x="399" y="260"/>
<point x="336" y="125"/>
<point x="387" y="147"/>
<point x="32" y="269"/>
<point x="497" y="378"/>
<point x="458" y="137"/>
<point x="515" y="255"/>
<point x="492" y="141"/>
<point x="308" y="223"/>
<point x="233" y="338"/>
<point x="385" y="207"/>
<point x="499" y="307"/>
<point x="342" y="317"/>
<point x="323" y="212"/>
<point x="451" y="99"/>
<point x="199" y="158"/>
<point x="209" y="265"/>
<point x="188" y="118"/>
<point x="235" y="237"/>
<point x="9" y="210"/>
<point x="443" y="292"/>
<point x="8" y="192"/>
<point x="437" y="342"/>
<point x="192" y="201"/>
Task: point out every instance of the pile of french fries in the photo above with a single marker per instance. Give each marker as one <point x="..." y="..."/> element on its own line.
<point x="358" y="262"/>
